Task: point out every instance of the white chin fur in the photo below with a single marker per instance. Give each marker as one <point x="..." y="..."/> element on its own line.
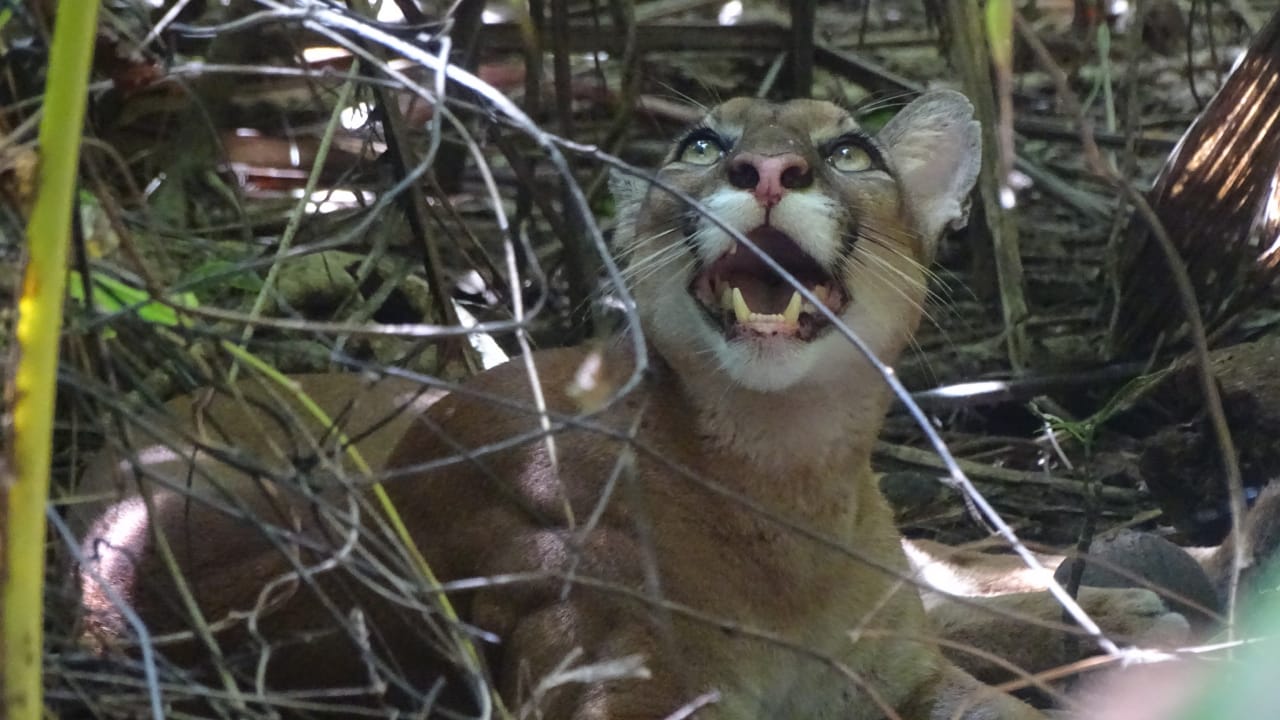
<point x="766" y="365"/>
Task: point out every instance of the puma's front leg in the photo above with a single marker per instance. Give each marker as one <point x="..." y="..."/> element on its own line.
<point x="978" y="595"/>
<point x="578" y="637"/>
<point x="956" y="695"/>
<point x="1040" y="642"/>
<point x="589" y="658"/>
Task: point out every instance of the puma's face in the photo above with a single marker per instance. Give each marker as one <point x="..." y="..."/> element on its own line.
<point x="851" y="217"/>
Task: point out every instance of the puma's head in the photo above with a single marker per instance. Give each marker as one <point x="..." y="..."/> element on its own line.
<point x="852" y="217"/>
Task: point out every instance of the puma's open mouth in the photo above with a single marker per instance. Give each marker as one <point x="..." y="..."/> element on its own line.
<point x="746" y="297"/>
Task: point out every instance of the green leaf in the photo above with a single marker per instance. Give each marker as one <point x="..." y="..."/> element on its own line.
<point x="1245" y="686"/>
<point x="111" y="295"/>
<point x="1000" y="32"/>
<point x="873" y="121"/>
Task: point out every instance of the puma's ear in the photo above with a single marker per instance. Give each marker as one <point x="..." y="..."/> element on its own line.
<point x="936" y="148"/>
<point x="628" y="193"/>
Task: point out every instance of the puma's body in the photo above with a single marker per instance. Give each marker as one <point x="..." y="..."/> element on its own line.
<point x="750" y="505"/>
<point x="699" y="562"/>
<point x="720" y="522"/>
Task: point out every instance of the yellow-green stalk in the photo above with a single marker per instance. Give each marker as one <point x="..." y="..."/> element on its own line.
<point x="39" y="325"/>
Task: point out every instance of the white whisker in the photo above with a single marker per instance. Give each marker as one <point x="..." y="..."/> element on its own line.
<point x="634" y="244"/>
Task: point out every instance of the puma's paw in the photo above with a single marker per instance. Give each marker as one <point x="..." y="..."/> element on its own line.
<point x="1135" y="615"/>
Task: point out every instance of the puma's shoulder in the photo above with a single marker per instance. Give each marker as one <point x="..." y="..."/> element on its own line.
<point x="502" y="449"/>
<point x="572" y="386"/>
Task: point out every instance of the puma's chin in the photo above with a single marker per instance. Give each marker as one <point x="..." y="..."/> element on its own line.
<point x="769" y="364"/>
<point x="753" y="306"/>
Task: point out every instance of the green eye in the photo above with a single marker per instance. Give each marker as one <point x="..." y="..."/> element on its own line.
<point x="701" y="151"/>
<point x="849" y="158"/>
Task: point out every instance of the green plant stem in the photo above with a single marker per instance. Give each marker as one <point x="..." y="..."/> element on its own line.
<point x="39" y="324"/>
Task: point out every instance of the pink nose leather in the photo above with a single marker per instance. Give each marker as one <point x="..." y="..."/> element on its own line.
<point x="769" y="177"/>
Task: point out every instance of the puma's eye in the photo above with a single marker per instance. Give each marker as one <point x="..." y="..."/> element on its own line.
<point x="850" y="158"/>
<point x="700" y="148"/>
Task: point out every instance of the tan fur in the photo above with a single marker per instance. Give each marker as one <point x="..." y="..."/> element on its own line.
<point x="719" y="524"/>
<point x="199" y="475"/>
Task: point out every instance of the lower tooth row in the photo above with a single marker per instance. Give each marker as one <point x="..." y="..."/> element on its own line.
<point x="731" y="300"/>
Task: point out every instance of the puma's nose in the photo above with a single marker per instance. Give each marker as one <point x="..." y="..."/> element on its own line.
<point x="769" y="177"/>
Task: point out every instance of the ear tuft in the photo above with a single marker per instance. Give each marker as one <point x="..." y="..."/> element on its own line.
<point x="936" y="148"/>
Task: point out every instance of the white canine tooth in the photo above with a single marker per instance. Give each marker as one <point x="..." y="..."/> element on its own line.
<point x="808" y="307"/>
<point x="726" y="298"/>
<point x="740" y="309"/>
<point x="733" y="249"/>
<point x="791" y="315"/>
<point x="821" y="291"/>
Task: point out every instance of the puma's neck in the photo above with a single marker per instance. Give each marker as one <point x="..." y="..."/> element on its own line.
<point x="810" y="426"/>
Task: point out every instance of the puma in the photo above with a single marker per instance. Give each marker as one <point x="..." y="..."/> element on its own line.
<point x="710" y="544"/>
